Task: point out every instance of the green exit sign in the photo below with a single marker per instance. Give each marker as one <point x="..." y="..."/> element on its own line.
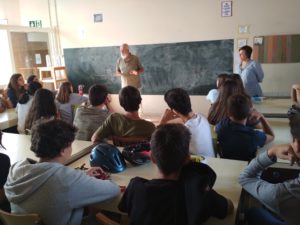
<point x="35" y="23"/>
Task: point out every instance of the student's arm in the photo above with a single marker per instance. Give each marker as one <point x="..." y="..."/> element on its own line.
<point x="220" y="206"/>
<point x="266" y="127"/>
<point x="267" y="193"/>
<point x="108" y="103"/>
<point x="167" y="116"/>
<point x="126" y="201"/>
<point x="85" y="190"/>
<point x="264" y="124"/>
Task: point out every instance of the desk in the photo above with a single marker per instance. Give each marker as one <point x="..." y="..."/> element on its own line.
<point x="18" y="148"/>
<point x="8" y="118"/>
<point x="226" y="183"/>
<point x="274" y="107"/>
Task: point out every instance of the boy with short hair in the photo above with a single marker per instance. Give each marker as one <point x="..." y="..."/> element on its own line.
<point x="179" y="103"/>
<point x="281" y="198"/>
<point x="128" y="124"/>
<point x="237" y="140"/>
<point x="88" y="118"/>
<point x="182" y="192"/>
<point x="55" y="192"/>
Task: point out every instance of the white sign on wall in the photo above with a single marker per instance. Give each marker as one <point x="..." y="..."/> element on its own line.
<point x="226" y="8"/>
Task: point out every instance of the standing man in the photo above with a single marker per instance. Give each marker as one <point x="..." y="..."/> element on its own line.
<point x="129" y="68"/>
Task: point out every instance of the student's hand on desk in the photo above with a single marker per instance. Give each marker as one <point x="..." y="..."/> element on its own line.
<point x="94" y="171"/>
<point x="286" y="152"/>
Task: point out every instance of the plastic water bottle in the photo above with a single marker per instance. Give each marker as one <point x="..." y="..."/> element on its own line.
<point x="80" y="89"/>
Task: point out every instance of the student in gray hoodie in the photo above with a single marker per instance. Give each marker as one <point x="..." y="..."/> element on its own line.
<point x="55" y="192"/>
<point x="282" y="198"/>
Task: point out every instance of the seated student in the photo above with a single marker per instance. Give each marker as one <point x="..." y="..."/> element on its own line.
<point x="55" y="192"/>
<point x="128" y="124"/>
<point x="283" y="198"/>
<point x="218" y="110"/>
<point x="32" y="78"/>
<point x="182" y="192"/>
<point x="65" y="99"/>
<point x="24" y="105"/>
<point x="88" y="118"/>
<point x="214" y="93"/>
<point x="42" y="108"/>
<point x="15" y="89"/>
<point x="236" y="139"/>
<point x="4" y="168"/>
<point x="180" y="104"/>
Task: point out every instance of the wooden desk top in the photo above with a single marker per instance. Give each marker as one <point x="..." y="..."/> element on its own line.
<point x="18" y="148"/>
<point x="8" y="118"/>
<point x="227" y="181"/>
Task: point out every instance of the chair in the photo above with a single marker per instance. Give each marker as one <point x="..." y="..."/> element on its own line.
<point x="18" y="219"/>
<point x="104" y="220"/>
<point x="216" y="146"/>
<point x="124" y="141"/>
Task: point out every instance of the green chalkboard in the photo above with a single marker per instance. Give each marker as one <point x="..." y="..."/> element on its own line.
<point x="193" y="66"/>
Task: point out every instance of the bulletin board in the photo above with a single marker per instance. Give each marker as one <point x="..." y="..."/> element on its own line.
<point x="277" y="49"/>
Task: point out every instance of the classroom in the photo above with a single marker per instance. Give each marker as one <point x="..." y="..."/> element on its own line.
<point x="79" y="40"/>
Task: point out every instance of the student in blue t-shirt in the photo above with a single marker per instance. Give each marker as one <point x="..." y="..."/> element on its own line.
<point x="236" y="139"/>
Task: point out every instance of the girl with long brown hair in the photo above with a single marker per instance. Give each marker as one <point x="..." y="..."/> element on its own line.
<point x="66" y="101"/>
<point x="218" y="110"/>
<point x="42" y="108"/>
<point x="15" y="89"/>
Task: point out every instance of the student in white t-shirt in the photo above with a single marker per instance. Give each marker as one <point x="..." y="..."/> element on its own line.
<point x="180" y="106"/>
<point x="213" y="94"/>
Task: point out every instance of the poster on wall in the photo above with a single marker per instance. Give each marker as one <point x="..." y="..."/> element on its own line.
<point x="226" y="8"/>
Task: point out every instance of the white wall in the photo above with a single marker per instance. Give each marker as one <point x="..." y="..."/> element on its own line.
<point x="167" y="21"/>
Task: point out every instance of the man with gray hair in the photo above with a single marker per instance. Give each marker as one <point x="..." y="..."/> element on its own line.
<point x="129" y="68"/>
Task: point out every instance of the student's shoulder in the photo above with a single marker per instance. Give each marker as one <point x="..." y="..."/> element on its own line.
<point x="223" y="124"/>
<point x="196" y="168"/>
<point x="149" y="124"/>
<point x="4" y="159"/>
<point x="138" y="180"/>
<point x="137" y="183"/>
